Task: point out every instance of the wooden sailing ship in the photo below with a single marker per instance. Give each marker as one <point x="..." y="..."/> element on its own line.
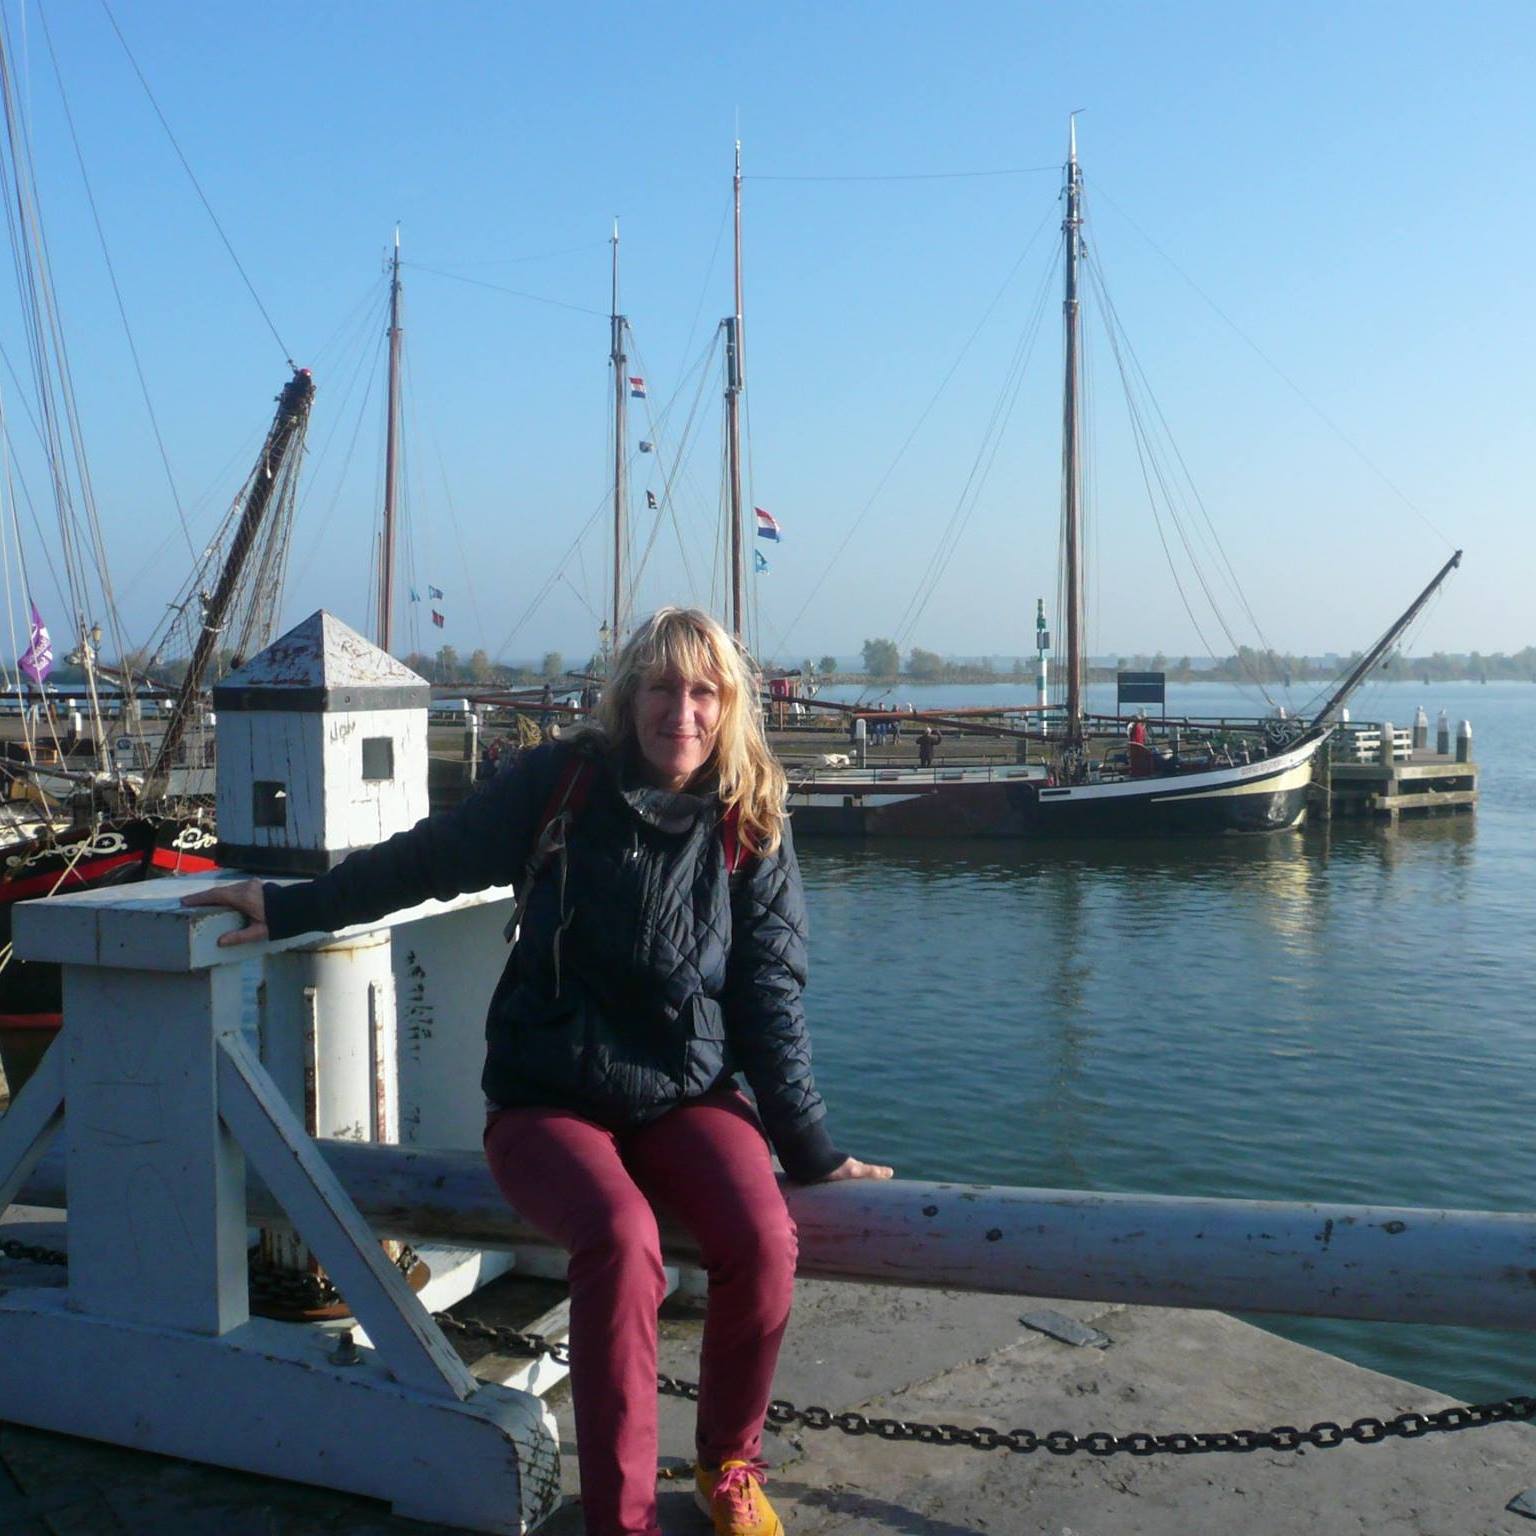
<point x="150" y="813"/>
<point x="1087" y="785"/>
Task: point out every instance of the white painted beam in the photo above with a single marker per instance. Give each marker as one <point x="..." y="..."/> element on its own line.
<point x="28" y="1127"/>
<point x="266" y="1398"/>
<point x="144" y="927"/>
<point x="308" y="1192"/>
<point x="1466" y="1268"/>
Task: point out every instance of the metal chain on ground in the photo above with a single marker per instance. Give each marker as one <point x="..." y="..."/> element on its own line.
<point x="268" y="1282"/>
<point x="273" y="1285"/>
<point x="1322" y="1436"/>
<point x="31" y="1253"/>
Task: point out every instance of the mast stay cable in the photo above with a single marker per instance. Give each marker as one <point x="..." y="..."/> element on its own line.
<point x="1152" y="469"/>
<point x="197" y="186"/>
<point x="981" y="465"/>
<point x="1285" y="378"/>
<point x="907" y="441"/>
<point x="117" y="292"/>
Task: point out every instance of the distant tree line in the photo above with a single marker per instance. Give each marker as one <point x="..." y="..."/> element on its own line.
<point x="443" y="666"/>
<point x="883" y="663"/>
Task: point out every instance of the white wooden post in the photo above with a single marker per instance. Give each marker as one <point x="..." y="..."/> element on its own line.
<point x="157" y="1184"/>
<point x="151" y="1345"/>
<point x="323" y="749"/>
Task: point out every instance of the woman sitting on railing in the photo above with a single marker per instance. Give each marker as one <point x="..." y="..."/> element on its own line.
<point x="660" y="949"/>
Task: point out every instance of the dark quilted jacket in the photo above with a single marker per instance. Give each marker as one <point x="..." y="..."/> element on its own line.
<point x="648" y="981"/>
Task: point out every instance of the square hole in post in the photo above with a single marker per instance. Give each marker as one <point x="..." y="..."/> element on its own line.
<point x="269" y="803"/>
<point x="378" y="757"/>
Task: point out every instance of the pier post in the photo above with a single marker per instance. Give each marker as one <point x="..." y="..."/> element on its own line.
<point x="1464" y="742"/>
<point x="1322" y="782"/>
<point x="860" y="741"/>
<point x="1443" y="735"/>
<point x="1420" y="729"/>
<point x="1385" y="753"/>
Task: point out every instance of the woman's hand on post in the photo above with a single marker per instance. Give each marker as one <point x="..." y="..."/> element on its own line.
<point x="852" y="1168"/>
<point x="247" y="898"/>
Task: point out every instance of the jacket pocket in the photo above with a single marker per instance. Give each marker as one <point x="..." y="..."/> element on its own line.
<point x="704" y="1054"/>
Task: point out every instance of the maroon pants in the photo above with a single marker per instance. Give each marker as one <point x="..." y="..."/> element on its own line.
<point x="592" y="1190"/>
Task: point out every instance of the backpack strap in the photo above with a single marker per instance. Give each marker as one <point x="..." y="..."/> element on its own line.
<point x="560" y="810"/>
<point x="736" y="851"/>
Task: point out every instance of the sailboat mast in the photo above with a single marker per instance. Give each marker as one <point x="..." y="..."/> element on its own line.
<point x="1071" y="488"/>
<point x="391" y="460"/>
<point x="734" y="376"/>
<point x="620" y="385"/>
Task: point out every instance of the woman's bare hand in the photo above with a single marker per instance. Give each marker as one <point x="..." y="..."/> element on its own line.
<point x="852" y="1168"/>
<point x="247" y="898"/>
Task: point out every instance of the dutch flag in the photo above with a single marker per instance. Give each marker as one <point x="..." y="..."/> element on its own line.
<point x="636" y="388"/>
<point x="767" y="527"/>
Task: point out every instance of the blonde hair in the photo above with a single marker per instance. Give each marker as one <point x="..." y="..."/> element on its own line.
<point x="746" y="774"/>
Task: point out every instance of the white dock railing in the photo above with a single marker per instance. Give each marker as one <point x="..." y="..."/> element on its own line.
<point x="1361" y="743"/>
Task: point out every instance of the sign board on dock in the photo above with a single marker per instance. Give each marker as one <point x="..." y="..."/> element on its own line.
<point x="1141" y="687"/>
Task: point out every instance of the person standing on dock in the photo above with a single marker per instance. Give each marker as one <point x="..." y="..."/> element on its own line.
<point x="659" y="948"/>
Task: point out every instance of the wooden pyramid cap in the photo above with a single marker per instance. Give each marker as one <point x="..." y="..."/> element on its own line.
<point x="322" y="666"/>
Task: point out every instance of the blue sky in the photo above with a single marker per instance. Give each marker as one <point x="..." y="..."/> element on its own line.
<point x="1314" y="221"/>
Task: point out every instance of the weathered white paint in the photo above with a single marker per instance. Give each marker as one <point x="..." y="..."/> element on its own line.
<point x="308" y="1191"/>
<point x="359" y="812"/>
<point x="1391" y="1263"/>
<point x="156" y="1189"/>
<point x="317" y="755"/>
<point x="164" y="1105"/>
<point x="327" y="1032"/>
<point x="444" y="974"/>
<point x="319" y="758"/>
<point x="264" y="1398"/>
<point x="145" y="927"/>
<point x="29" y="1126"/>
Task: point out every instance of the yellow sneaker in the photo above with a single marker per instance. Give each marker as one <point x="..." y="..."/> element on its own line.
<point x="733" y="1499"/>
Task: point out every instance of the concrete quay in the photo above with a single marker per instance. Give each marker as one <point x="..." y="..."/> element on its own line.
<point x="932" y="1355"/>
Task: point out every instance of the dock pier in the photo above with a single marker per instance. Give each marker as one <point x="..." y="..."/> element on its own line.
<point x="1380" y="771"/>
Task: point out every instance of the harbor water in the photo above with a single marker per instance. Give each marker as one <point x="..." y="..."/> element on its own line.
<point x="1342" y="1013"/>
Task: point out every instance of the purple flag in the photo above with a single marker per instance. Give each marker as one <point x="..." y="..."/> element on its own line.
<point x="37" y="660"/>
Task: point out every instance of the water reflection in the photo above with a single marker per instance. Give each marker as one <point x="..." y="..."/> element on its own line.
<point x="1332" y="1014"/>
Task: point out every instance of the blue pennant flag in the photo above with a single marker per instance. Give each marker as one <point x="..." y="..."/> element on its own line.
<point x="758" y="563"/>
<point x="645" y="447"/>
<point x="434" y="591"/>
<point x="415" y="595"/>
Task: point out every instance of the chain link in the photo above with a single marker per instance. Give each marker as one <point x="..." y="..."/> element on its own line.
<point x="1322" y="1436"/>
<point x="31" y="1254"/>
<point x="291" y="1288"/>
